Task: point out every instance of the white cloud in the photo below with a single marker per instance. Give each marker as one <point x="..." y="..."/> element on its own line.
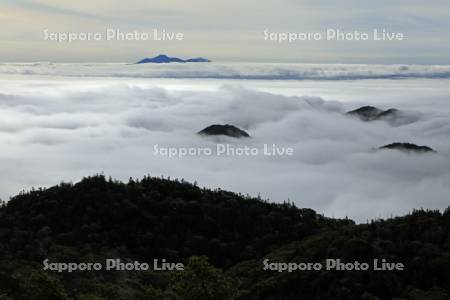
<point x="216" y="70"/>
<point x="63" y="128"/>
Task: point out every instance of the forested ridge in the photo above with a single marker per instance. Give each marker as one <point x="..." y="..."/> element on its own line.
<point x="221" y="237"/>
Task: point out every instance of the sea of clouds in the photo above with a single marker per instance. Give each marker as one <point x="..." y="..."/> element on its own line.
<point x="61" y="128"/>
<point x="265" y="71"/>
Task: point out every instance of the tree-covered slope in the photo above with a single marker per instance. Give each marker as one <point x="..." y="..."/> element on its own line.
<point x="420" y="241"/>
<point x="222" y="238"/>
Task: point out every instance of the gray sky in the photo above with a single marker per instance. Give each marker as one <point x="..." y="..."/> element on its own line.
<point x="229" y="30"/>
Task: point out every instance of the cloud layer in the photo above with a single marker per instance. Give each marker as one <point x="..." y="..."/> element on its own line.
<point x="63" y="129"/>
<point x="254" y="71"/>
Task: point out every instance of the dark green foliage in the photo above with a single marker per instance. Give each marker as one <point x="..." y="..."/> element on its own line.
<point x="420" y="241"/>
<point x="147" y="219"/>
<point x="34" y="284"/>
<point x="201" y="281"/>
<point x="152" y="218"/>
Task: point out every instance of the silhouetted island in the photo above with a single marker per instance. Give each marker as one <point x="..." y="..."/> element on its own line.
<point x="228" y="130"/>
<point x="408" y="147"/>
<point x="162" y="59"/>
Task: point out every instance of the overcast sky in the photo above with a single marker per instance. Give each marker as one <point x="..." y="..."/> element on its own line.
<point x="229" y="30"/>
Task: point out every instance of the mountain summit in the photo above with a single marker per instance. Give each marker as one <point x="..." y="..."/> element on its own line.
<point x="371" y="113"/>
<point x="408" y="147"/>
<point x="163" y="59"/>
<point x="227" y="129"/>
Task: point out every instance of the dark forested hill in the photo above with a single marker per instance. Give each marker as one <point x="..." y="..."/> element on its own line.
<point x="221" y="237"/>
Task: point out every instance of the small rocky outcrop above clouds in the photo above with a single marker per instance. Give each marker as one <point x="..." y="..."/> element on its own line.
<point x="393" y="116"/>
<point x="407" y="147"/>
<point x="371" y="113"/>
<point x="228" y="130"/>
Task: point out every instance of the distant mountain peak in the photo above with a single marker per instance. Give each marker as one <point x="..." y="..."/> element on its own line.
<point x="162" y="59"/>
<point x="393" y="116"/>
<point x="408" y="147"/>
<point x="198" y="59"/>
<point x="227" y="129"/>
<point x="367" y="113"/>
